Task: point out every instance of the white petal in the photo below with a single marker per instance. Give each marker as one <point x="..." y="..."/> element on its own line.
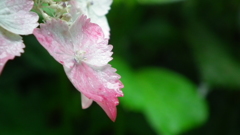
<point x="86" y="102"/>
<point x="100" y="7"/>
<point x="96" y="12"/>
<point x="15" y="16"/>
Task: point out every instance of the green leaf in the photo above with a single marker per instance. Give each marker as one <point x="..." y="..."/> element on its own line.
<point x="172" y="103"/>
<point x="156" y="1"/>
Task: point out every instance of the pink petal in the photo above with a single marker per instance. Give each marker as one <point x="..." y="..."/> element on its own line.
<point x="54" y="36"/>
<point x="103" y="23"/>
<point x="15" y="16"/>
<point x="101" y="7"/>
<point x="101" y="85"/>
<point x="89" y="37"/>
<point x="83" y="26"/>
<point x="11" y="45"/>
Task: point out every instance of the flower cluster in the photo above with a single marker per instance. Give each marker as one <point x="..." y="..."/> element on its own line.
<point x="76" y="34"/>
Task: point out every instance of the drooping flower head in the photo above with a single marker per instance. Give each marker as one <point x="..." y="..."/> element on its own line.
<point x="84" y="52"/>
<point x="15" y="19"/>
<point x="76" y="35"/>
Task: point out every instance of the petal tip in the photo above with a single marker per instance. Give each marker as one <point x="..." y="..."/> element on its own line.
<point x="86" y="102"/>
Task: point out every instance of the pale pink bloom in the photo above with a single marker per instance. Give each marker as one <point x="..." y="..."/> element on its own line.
<point x="95" y="10"/>
<point x="15" y="18"/>
<point x="84" y="53"/>
<point x="11" y="45"/>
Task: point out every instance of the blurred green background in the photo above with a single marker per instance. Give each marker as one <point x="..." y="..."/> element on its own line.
<point x="179" y="62"/>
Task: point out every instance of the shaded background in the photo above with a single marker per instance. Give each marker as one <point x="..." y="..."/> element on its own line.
<point x="179" y="62"/>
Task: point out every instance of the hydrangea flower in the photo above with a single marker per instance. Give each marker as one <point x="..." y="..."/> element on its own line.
<point x="15" y="19"/>
<point x="84" y="52"/>
<point x="95" y="10"/>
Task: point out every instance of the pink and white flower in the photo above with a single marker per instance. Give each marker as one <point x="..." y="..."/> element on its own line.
<point x="95" y="10"/>
<point x="15" y="19"/>
<point x="84" y="52"/>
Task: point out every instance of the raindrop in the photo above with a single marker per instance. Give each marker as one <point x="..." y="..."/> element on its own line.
<point x="91" y="3"/>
